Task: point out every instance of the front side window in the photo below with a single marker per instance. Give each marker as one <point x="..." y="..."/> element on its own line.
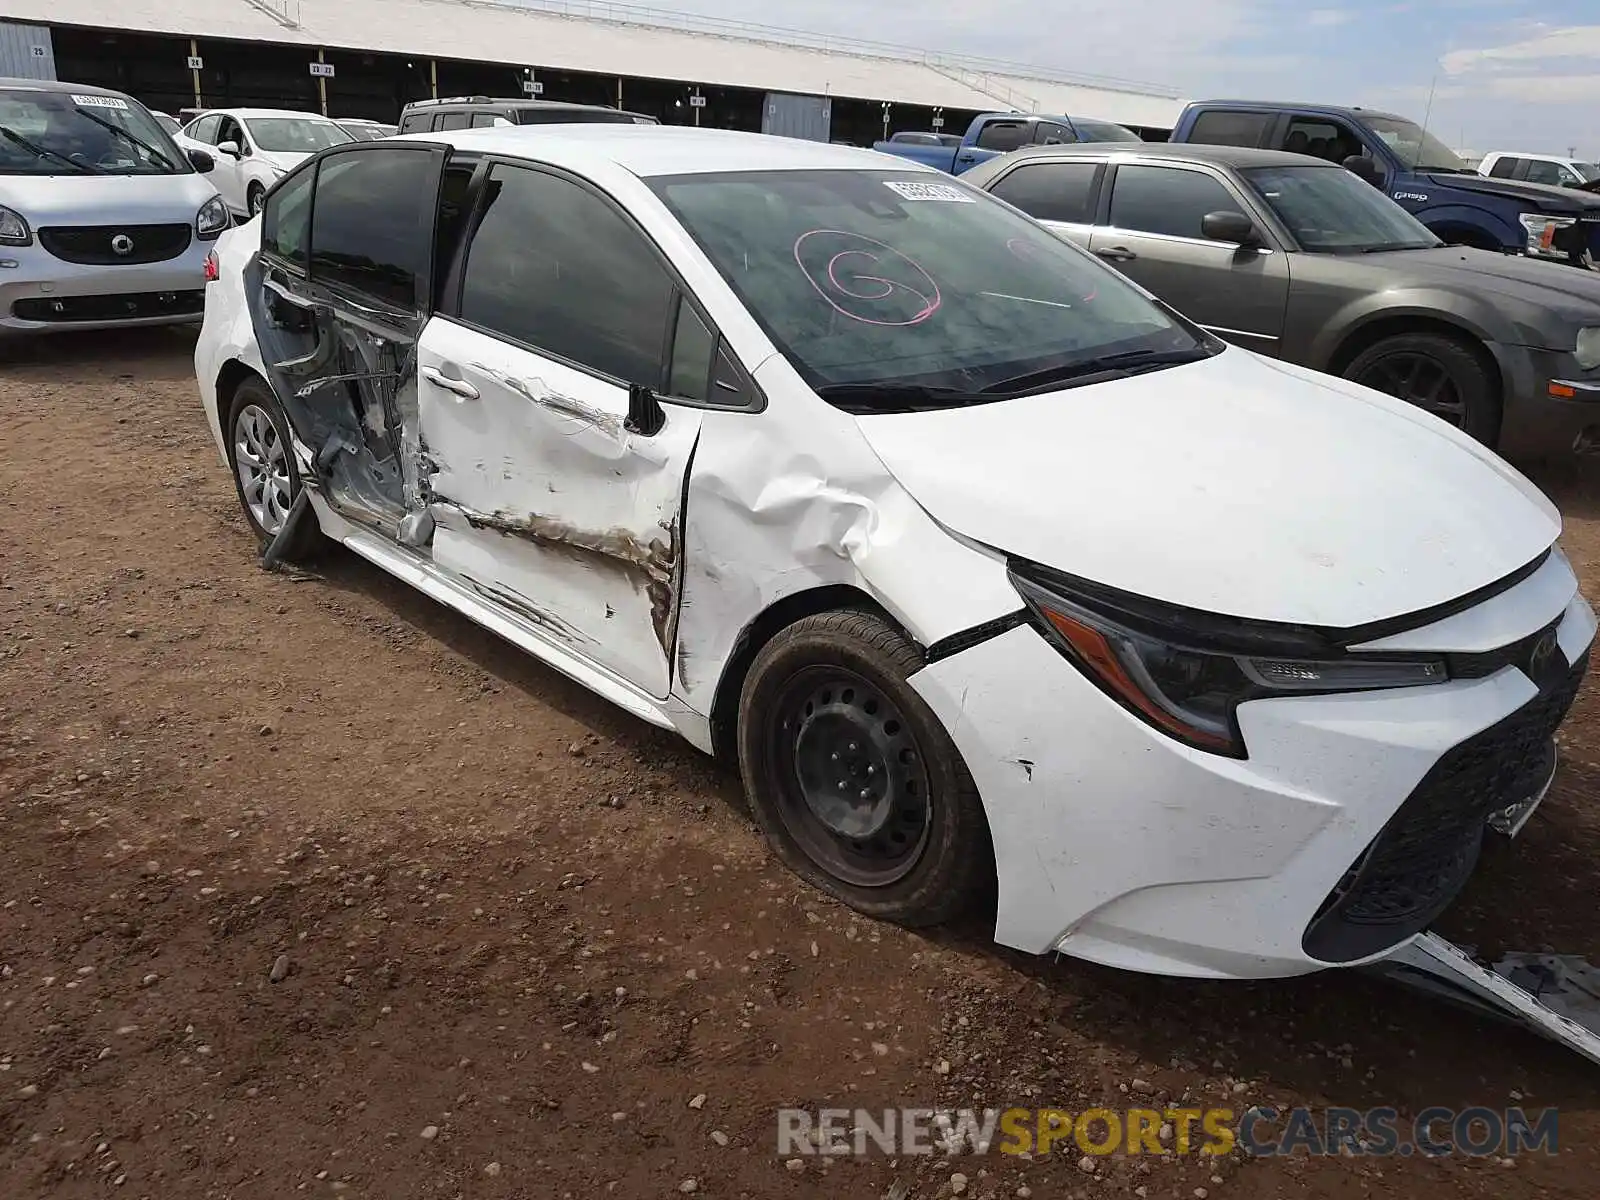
<point x="879" y="277"/>
<point x="295" y="135"/>
<point x="1330" y="211"/>
<point x="62" y="133"/>
<point x="372" y="222"/>
<point x="205" y="129"/>
<point x="286" y="218"/>
<point x="1553" y="174"/>
<point x="1416" y="149"/>
<point x="1321" y="138"/>
<point x="1052" y="191"/>
<point x="554" y="267"/>
<point x="1166" y="200"/>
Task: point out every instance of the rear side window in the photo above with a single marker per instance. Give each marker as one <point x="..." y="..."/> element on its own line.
<point x="1051" y="191"/>
<point x="556" y="268"/>
<point x="414" y="123"/>
<point x="1003" y="135"/>
<point x="286" y="218"/>
<point x="1221" y="128"/>
<point x="1503" y="167"/>
<point x="483" y="120"/>
<point x="455" y="120"/>
<point x="1166" y="200"/>
<point x="372" y="223"/>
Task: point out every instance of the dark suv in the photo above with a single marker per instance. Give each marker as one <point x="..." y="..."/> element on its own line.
<point x="481" y="112"/>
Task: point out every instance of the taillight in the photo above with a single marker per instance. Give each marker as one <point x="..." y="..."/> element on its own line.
<point x="213" y="273"/>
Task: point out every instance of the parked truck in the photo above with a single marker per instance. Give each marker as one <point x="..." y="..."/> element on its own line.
<point x="991" y="134"/>
<point x="1421" y="173"/>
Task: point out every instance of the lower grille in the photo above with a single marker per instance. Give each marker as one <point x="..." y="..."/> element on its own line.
<point x="115" y="245"/>
<point x="1423" y="857"/>
<point x="126" y="306"/>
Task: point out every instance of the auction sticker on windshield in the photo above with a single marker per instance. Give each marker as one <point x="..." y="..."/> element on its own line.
<point x="927" y="191"/>
<point x="99" y="102"/>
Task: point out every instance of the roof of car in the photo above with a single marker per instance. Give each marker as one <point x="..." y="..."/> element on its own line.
<point x="1237" y="157"/>
<point x="256" y="113"/>
<point x="498" y="102"/>
<point x="51" y="85"/>
<point x="649" y="150"/>
<point x="1280" y="106"/>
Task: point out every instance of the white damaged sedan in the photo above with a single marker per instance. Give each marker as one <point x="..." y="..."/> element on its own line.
<point x="980" y="562"/>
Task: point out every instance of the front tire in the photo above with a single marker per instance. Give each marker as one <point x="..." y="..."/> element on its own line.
<point x="852" y="778"/>
<point x="265" y="475"/>
<point x="1445" y="375"/>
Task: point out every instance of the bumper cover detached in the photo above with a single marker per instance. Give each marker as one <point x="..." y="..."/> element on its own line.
<point x="1116" y="844"/>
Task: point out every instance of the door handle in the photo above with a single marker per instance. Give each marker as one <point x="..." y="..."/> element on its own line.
<point x="457" y="387"/>
<point x="1116" y="253"/>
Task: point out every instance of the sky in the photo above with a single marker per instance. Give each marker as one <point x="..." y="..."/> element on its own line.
<point x="1505" y="74"/>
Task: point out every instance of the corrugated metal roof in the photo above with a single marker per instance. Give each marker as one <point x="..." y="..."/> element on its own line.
<point x="504" y="33"/>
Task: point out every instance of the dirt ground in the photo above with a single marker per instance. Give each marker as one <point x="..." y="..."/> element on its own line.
<point x="309" y="886"/>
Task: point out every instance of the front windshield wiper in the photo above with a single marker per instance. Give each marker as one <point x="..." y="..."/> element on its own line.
<point x="1123" y="363"/>
<point x="864" y="398"/>
<point x="123" y="133"/>
<point x="16" y="139"/>
<point x="1388" y="246"/>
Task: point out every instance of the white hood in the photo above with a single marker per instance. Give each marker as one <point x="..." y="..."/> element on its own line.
<point x="81" y="199"/>
<point x="1237" y="485"/>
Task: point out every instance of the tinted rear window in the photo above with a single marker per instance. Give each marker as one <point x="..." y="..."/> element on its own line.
<point x="1221" y="128"/>
<point x="1057" y="191"/>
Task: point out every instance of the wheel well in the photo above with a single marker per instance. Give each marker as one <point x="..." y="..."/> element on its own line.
<point x="1373" y="332"/>
<point x="233" y="373"/>
<point x="766" y="626"/>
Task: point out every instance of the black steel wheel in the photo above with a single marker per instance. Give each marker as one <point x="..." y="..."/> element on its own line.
<point x="851" y="777"/>
<point x="1443" y="375"/>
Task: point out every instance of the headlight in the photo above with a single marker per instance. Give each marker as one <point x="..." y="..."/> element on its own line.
<point x="1542" y="232"/>
<point x="1587" y="351"/>
<point x="1192" y="692"/>
<point x="212" y="219"/>
<point x="14" y="230"/>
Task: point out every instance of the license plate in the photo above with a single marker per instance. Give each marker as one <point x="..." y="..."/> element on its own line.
<point x="1510" y="819"/>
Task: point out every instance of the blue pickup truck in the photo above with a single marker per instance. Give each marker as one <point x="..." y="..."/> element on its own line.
<point x="992" y="134"/>
<point x="1421" y="173"/>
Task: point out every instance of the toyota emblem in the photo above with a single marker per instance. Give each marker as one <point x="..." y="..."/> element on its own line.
<point x="122" y="244"/>
<point x="1542" y="657"/>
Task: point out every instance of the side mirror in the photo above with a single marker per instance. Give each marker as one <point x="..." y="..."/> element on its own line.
<point x="1363" y="167"/>
<point x="1227" y="226"/>
<point x="201" y="161"/>
<point x="645" y="414"/>
<point x="231" y="149"/>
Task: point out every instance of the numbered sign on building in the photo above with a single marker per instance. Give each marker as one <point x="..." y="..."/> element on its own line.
<point x="322" y="70"/>
<point x="39" y="51"/>
<point x="533" y="87"/>
<point x="196" y="63"/>
<point x="697" y="101"/>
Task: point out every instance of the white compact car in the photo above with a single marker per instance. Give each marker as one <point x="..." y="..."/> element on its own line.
<point x="255" y="147"/>
<point x="980" y="562"/>
<point x="103" y="221"/>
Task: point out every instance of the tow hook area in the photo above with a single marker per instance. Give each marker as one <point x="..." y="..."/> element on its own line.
<point x="1554" y="996"/>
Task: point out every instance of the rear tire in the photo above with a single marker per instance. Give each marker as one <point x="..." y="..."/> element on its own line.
<point x="1448" y="376"/>
<point x="853" y="779"/>
<point x="254" y="198"/>
<point x="266" y="477"/>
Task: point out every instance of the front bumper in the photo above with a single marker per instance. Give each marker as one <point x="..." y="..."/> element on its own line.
<point x="1116" y="844"/>
<point x="40" y="293"/>
<point x="1550" y="408"/>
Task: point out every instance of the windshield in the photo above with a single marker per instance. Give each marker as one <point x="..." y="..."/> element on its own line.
<point x="877" y="277"/>
<point x="1331" y="211"/>
<point x="58" y="133"/>
<point x="1589" y="172"/>
<point x="1416" y="149"/>
<point x="295" y="135"/>
<point x="1103" y="131"/>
